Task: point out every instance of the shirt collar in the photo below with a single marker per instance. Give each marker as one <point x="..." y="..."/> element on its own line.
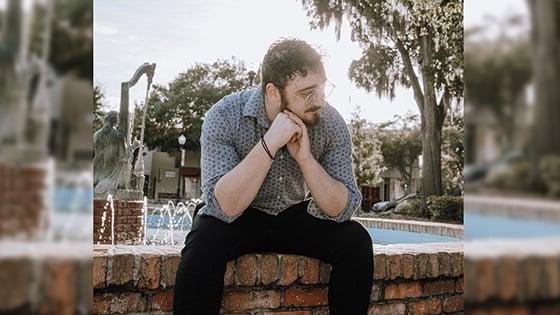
<point x="254" y="107"/>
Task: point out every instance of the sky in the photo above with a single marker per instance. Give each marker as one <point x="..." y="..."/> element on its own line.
<point x="176" y="34"/>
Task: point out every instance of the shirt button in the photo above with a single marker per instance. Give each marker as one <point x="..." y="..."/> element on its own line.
<point x="278" y="197"/>
<point x="281" y="156"/>
<point x="280" y="178"/>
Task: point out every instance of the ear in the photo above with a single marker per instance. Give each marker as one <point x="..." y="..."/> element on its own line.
<point x="272" y="91"/>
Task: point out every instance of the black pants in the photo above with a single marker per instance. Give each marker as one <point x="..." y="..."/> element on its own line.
<point x="211" y="243"/>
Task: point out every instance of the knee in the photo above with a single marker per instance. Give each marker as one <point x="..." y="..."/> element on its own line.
<point x="358" y="237"/>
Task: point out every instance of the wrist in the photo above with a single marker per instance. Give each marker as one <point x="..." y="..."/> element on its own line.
<point x="271" y="144"/>
<point x="306" y="161"/>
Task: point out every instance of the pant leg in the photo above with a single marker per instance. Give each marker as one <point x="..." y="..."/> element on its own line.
<point x="347" y="246"/>
<point x="211" y="243"/>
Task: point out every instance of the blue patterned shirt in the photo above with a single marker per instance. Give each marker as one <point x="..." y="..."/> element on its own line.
<point x="235" y="124"/>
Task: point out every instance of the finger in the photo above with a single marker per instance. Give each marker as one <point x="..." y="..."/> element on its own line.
<point x="295" y="118"/>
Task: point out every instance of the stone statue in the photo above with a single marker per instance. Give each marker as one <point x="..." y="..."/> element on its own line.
<point x="111" y="159"/>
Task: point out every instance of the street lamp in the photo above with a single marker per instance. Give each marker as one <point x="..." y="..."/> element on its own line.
<point x="181" y="139"/>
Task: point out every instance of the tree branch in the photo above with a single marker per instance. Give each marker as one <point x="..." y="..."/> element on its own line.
<point x="408" y="68"/>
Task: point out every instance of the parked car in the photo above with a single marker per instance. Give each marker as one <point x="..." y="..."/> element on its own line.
<point x="388" y="205"/>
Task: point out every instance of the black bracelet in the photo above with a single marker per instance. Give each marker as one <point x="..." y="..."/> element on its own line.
<point x="266" y="148"/>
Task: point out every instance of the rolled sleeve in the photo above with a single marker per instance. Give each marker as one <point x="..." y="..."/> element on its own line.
<point x="218" y="157"/>
<point x="337" y="162"/>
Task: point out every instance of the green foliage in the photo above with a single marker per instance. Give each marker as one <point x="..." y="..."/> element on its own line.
<point x="411" y="206"/>
<point x="179" y="108"/>
<point x="99" y="108"/>
<point x="366" y="154"/>
<point x="448" y="208"/>
<point x="550" y="172"/>
<point x="401" y="144"/>
<point x="453" y="154"/>
<point x="511" y="176"/>
<point x="71" y="46"/>
<point x="390" y="33"/>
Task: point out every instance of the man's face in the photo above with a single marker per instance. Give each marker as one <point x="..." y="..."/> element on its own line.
<point x="304" y="96"/>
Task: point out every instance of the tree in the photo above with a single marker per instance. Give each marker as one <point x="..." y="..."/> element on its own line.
<point x="71" y="44"/>
<point x="497" y="70"/>
<point x="401" y="145"/>
<point x="179" y="108"/>
<point x="413" y="43"/>
<point x="545" y="137"/>
<point x="366" y="152"/>
<point x="453" y="154"/>
<point x="99" y="108"/>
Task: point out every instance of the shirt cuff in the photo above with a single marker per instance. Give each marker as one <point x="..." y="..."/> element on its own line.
<point x="213" y="208"/>
<point x="352" y="204"/>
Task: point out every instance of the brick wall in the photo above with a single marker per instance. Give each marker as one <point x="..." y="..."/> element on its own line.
<point x="408" y="279"/>
<point x="128" y="222"/>
<point x="22" y="206"/>
<point x="513" y="276"/>
<point x="45" y="278"/>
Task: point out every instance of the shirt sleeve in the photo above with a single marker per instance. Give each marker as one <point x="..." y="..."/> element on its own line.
<point x="218" y="157"/>
<point x="338" y="163"/>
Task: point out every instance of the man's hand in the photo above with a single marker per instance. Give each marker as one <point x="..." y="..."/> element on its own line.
<point x="299" y="146"/>
<point x="280" y="132"/>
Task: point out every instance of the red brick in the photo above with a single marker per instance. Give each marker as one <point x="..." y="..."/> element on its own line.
<point x="552" y="275"/>
<point x="453" y="304"/>
<point x="439" y="287"/>
<point x="456" y="264"/>
<point x="286" y="313"/>
<point x="444" y="264"/>
<point x="288" y="270"/>
<point x="16" y="272"/>
<point x="162" y="301"/>
<point x="246" y="270"/>
<point x="128" y="303"/>
<point x="421" y="266"/>
<point x="269" y="269"/>
<point x="379" y="266"/>
<point x="459" y="286"/>
<point x="229" y="276"/>
<point x="324" y="273"/>
<point x="485" y="279"/>
<point x="169" y="267"/>
<point x="310" y="270"/>
<point x="434" y="265"/>
<point x="122" y="269"/>
<point x="426" y="307"/>
<point x="101" y="304"/>
<point x="99" y="271"/>
<point x="407" y="266"/>
<point x="394" y="266"/>
<point x="507" y="278"/>
<point x="59" y="287"/>
<point x="387" y="309"/>
<point x="305" y="297"/>
<point x="403" y="290"/>
<point x="241" y="300"/>
<point x="150" y="267"/>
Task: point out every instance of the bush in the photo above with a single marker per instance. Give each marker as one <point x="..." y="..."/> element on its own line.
<point x="448" y="208"/>
<point x="411" y="206"/>
<point x="513" y="176"/>
<point x="549" y="167"/>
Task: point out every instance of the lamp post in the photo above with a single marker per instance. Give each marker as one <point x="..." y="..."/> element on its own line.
<point x="181" y="139"/>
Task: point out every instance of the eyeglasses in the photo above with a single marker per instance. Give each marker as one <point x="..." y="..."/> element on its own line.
<point x="319" y="93"/>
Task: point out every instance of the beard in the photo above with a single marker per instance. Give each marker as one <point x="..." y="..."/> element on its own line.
<point x="309" y="122"/>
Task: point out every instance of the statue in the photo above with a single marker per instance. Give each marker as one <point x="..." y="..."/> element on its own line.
<point x="114" y="148"/>
<point x="111" y="157"/>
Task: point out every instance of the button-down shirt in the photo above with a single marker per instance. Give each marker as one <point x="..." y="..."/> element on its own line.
<point x="232" y="128"/>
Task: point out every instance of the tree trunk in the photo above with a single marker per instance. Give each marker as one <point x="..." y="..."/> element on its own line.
<point x="431" y="127"/>
<point x="545" y="134"/>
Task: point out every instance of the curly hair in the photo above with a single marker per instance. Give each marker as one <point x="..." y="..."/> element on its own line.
<point x="287" y="58"/>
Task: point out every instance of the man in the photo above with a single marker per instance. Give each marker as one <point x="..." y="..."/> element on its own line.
<point x="260" y="149"/>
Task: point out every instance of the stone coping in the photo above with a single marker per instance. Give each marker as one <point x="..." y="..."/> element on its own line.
<point x="46" y="250"/>
<point x="435" y="228"/>
<point x="513" y="207"/>
<point x="509" y="271"/>
<point x="408" y="279"/>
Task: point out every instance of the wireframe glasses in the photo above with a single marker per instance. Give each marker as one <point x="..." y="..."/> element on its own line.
<point x="319" y="93"/>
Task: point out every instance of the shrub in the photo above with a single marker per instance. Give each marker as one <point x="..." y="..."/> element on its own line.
<point x="448" y="208"/>
<point x="411" y="206"/>
<point x="549" y="167"/>
<point x="514" y="176"/>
